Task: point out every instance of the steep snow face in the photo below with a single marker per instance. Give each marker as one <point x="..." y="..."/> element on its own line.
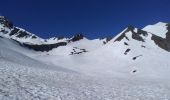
<point x="159" y="29"/>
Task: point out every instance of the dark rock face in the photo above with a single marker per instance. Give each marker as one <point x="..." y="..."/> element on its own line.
<point x="4" y="21"/>
<point x="135" y="35"/>
<point x="126" y="43"/>
<point x="163" y="43"/>
<point x="126" y="52"/>
<point x="44" y="47"/>
<point x="123" y="35"/>
<point x="14" y="31"/>
<point x="141" y="32"/>
<point x="134" y="71"/>
<point x="77" y="37"/>
<point x="159" y="41"/>
<point x="134" y="58"/>
<point x="4" y="31"/>
<point x="34" y="37"/>
<point x="20" y="33"/>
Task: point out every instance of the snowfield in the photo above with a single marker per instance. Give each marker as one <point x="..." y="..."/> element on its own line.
<point x="128" y="67"/>
<point x="24" y="78"/>
<point x="18" y="82"/>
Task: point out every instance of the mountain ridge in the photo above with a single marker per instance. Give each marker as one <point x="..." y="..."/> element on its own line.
<point x="34" y="42"/>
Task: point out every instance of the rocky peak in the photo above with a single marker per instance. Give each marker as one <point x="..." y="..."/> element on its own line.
<point x="4" y="21"/>
<point x="77" y="37"/>
<point x="136" y="34"/>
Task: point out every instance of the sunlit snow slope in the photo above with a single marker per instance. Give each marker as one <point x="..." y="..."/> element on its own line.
<point x="134" y="65"/>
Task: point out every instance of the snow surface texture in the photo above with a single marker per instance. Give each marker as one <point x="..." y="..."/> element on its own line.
<point x="128" y="69"/>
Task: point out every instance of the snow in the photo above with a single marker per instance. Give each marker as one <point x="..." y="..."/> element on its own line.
<point x="109" y="60"/>
<point x="24" y="83"/>
<point x="104" y="72"/>
<point x="88" y="45"/>
<point x="55" y="40"/>
<point x="159" y="29"/>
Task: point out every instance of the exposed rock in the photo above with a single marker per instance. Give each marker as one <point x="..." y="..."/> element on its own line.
<point x="22" y="34"/>
<point x="135" y="35"/>
<point x="134" y="58"/>
<point x="126" y="43"/>
<point x="77" y="50"/>
<point x="4" y="31"/>
<point x="44" y="47"/>
<point x="77" y="37"/>
<point x="159" y="41"/>
<point x="34" y="37"/>
<point x="4" y="21"/>
<point x="134" y="71"/>
<point x="127" y="50"/>
<point x="14" y="31"/>
<point x="163" y="43"/>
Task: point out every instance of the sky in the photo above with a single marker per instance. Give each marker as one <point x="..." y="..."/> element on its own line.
<point x="93" y="18"/>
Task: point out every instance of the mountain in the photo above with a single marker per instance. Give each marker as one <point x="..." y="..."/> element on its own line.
<point x="32" y="41"/>
<point x="132" y="65"/>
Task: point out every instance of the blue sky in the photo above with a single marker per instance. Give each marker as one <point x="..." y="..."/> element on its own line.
<point x="94" y="18"/>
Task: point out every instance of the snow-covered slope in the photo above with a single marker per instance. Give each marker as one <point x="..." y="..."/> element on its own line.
<point x="130" y="53"/>
<point x="159" y="29"/>
<point x="133" y="65"/>
<point x="24" y="78"/>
